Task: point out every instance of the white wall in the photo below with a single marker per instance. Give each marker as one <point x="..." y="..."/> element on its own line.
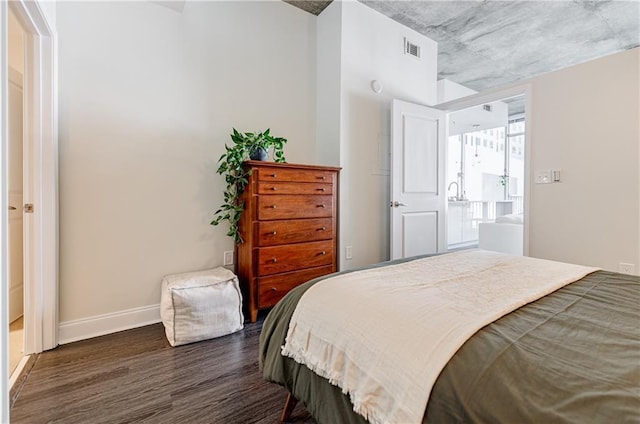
<point x="449" y="90"/>
<point x="585" y="122"/>
<point x="49" y="11"/>
<point x="148" y="97"/>
<point x="329" y="74"/>
<point x="372" y="48"/>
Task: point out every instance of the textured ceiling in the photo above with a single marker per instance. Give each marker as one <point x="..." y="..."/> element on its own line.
<point x="485" y="44"/>
<point x="311" y="6"/>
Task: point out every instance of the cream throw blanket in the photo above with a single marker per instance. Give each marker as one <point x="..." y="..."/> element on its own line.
<point x="383" y="335"/>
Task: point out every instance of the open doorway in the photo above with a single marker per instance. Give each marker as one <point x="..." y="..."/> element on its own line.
<point x="486" y="176"/>
<point x="16" y="193"/>
<point x="38" y="206"/>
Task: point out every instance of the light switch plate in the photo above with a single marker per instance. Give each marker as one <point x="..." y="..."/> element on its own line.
<point x="544" y="176"/>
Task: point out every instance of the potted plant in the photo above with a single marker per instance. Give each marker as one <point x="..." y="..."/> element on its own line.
<point x="245" y="146"/>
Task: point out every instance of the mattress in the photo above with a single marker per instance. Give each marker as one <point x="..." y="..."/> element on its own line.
<point x="571" y="356"/>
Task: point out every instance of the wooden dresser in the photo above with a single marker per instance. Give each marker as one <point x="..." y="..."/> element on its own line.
<point x="289" y="228"/>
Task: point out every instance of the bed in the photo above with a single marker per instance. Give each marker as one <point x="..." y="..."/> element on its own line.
<point x="570" y="356"/>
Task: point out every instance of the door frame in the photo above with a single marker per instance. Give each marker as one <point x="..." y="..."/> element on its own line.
<point x="41" y="174"/>
<point x="498" y="94"/>
<point x="4" y="215"/>
<point x="40" y="88"/>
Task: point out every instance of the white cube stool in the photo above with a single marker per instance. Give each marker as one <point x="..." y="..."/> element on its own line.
<point x="200" y="305"/>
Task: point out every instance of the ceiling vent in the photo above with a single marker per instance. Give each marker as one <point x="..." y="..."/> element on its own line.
<point x="411" y="49"/>
<point x="487" y="108"/>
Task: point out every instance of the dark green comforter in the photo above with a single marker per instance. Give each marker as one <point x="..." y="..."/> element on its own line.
<point x="571" y="357"/>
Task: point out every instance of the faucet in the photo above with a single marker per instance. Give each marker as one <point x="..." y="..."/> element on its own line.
<point x="457" y="190"/>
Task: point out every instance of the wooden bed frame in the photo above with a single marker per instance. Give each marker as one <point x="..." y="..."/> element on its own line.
<point x="289" y="404"/>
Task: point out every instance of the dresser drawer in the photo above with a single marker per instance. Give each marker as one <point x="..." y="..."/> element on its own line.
<point x="273" y="288"/>
<point x="297" y="175"/>
<point x="275" y="259"/>
<point x="270" y="233"/>
<point x="294" y="188"/>
<point x="294" y="206"/>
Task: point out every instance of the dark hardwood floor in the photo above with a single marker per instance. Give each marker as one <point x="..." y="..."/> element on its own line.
<point x="136" y="376"/>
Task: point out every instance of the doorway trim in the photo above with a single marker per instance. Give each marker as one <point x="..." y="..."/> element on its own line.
<point x="498" y="94"/>
<point x="41" y="177"/>
<point x="4" y="215"/>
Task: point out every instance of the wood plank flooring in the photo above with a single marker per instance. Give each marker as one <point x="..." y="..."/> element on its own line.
<point x="135" y="376"/>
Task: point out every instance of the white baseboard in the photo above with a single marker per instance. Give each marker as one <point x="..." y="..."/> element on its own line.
<point x="16" y="372"/>
<point x="99" y="325"/>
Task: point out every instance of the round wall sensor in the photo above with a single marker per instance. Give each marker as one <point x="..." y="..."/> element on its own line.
<point x="376" y="86"/>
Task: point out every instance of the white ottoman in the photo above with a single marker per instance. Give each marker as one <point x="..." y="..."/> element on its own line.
<point x="200" y="305"/>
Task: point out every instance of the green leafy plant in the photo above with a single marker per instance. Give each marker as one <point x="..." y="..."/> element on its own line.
<point x="236" y="176"/>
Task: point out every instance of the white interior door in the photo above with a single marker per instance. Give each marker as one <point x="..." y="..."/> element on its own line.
<point x="418" y="197"/>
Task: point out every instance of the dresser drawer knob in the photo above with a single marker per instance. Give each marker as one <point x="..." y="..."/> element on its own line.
<point x="323" y="253"/>
<point x="322" y="178"/>
<point x="274" y="260"/>
<point x="272" y="175"/>
<point x="321" y="206"/>
<point x="273" y="206"/>
<point x="323" y="229"/>
<point x="273" y="233"/>
<point x="273" y="188"/>
<point x="321" y="189"/>
<point x="274" y="289"/>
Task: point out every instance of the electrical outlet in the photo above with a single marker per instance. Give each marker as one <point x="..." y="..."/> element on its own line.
<point x="348" y="252"/>
<point x="625" y="268"/>
<point x="228" y="258"/>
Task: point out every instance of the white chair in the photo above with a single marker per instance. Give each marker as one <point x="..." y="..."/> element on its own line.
<point x="506" y="235"/>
